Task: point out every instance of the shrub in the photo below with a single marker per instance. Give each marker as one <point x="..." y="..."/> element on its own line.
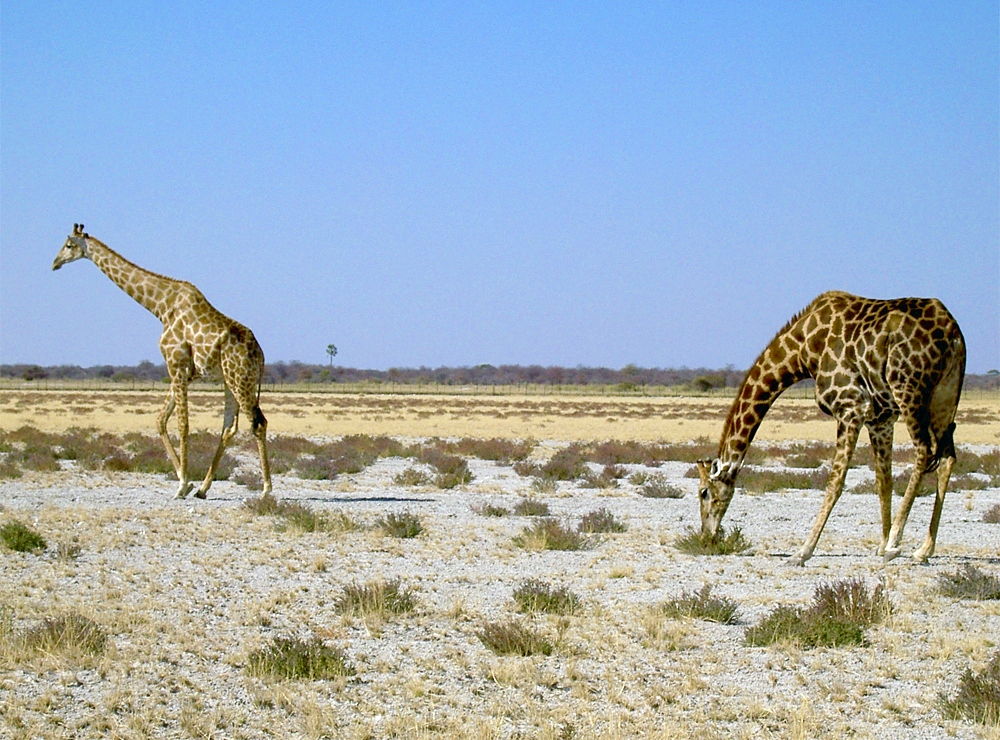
<point x="693" y="543"/>
<point x="375" y="599"/>
<point x="412" y="477"/>
<point x="568" y="463"/>
<point x="9" y="469"/>
<point x="68" y="634"/>
<point x="490" y="510"/>
<point x="501" y="450"/>
<point x="702" y="605"/>
<point x="809" y="456"/>
<point x="293" y="658"/>
<point x="403" y="525"/>
<point x="537" y="596"/>
<point x="992" y="515"/>
<point x="531" y="507"/>
<point x="19" y="537"/>
<point x="601" y="521"/>
<point x="452" y="470"/>
<point x="978" y="697"/>
<point x="299" y="516"/>
<point x="970" y="582"/>
<point x="513" y="638"/>
<point x="251" y="480"/>
<point x="656" y="486"/>
<point x="549" y="534"/>
<point x="838" y="615"/>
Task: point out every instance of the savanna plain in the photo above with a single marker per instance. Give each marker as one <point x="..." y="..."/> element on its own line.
<point x="480" y="566"/>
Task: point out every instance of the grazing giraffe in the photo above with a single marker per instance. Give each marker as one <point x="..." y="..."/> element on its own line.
<point x="873" y="361"/>
<point x="197" y="341"/>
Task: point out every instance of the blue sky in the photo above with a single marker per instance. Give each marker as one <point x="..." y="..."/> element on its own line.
<point x="595" y="184"/>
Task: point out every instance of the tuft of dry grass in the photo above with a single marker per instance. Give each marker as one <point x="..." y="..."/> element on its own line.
<point x="513" y="638"/>
<point x="376" y="600"/>
<point x="657" y="486"/>
<point x="534" y="595"/>
<point x="66" y="635"/>
<point x="290" y="658"/>
<point x="531" y="507"/>
<point x="550" y="534"/>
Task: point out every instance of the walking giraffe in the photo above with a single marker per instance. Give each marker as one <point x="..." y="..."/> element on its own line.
<point x="197" y="341"/>
<point x="873" y="361"/>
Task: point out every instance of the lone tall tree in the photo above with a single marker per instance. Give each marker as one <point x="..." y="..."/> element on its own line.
<point x="331" y="350"/>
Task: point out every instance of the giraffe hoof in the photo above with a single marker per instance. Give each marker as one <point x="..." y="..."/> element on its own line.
<point x="200" y="494"/>
<point x="797" y="561"/>
<point x="891" y="553"/>
<point x="184" y="490"/>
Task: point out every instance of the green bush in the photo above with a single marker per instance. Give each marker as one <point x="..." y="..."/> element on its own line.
<point x="839" y="614"/>
<point x="657" y="486"/>
<point x="375" y="599"/>
<point x="531" y="507"/>
<point x="693" y="543"/>
<point x="19" y="537"/>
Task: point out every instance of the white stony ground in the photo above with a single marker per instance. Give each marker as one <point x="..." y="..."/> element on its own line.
<point x="187" y="589"/>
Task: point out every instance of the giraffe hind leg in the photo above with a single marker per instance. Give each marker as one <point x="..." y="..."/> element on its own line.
<point x="259" y="424"/>
<point x="946" y="451"/>
<point x="893" y="548"/>
<point x="881" y="439"/>
<point x="230" y="425"/>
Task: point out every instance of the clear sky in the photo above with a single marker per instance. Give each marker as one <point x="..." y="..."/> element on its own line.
<point x="585" y="183"/>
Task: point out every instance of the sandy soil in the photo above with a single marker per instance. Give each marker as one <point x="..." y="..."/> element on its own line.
<point x="669" y="419"/>
<point x="188" y="589"/>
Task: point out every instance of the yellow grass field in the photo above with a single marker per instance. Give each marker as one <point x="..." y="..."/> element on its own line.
<point x="566" y="417"/>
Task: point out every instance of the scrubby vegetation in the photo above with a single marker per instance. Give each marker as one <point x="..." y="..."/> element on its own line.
<point x="513" y="638"/>
<point x="534" y="595"/>
<point x="969" y="582"/>
<point x="289" y="658"/>
<point x="18" y="536"/>
<point x="839" y="614"/>
<point x="701" y="604"/>
<point x="978" y="696"/>
<point x="693" y="543"/>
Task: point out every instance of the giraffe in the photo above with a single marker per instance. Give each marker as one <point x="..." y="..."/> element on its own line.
<point x="197" y="341"/>
<point x="874" y="361"/>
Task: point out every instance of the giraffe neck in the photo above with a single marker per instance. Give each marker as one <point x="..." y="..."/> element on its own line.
<point x="778" y="367"/>
<point x="148" y="289"/>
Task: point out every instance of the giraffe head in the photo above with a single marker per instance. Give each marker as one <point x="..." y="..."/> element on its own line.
<point x="75" y="247"/>
<point x="715" y="491"/>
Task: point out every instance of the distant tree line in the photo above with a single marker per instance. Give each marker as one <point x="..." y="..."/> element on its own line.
<point x="630" y="376"/>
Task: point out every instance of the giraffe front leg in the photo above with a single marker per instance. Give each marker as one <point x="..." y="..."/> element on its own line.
<point x="168" y="446"/>
<point x="847" y="437"/>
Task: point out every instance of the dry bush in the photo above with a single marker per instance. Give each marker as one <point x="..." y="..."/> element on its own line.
<point x="969" y="582"/>
<point x="534" y="595"/>
<point x="702" y="605"/>
<point x="765" y="480"/>
<point x="658" y="486"/>
<point x="601" y="521"/>
<point x="531" y="507"/>
<point x="402" y="525"/>
<point x="978" y="697"/>
<point x="493" y="510"/>
<point x="568" y="463"/>
<point x="992" y="515"/>
<point x="550" y="534"/>
<point x="412" y="477"/>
